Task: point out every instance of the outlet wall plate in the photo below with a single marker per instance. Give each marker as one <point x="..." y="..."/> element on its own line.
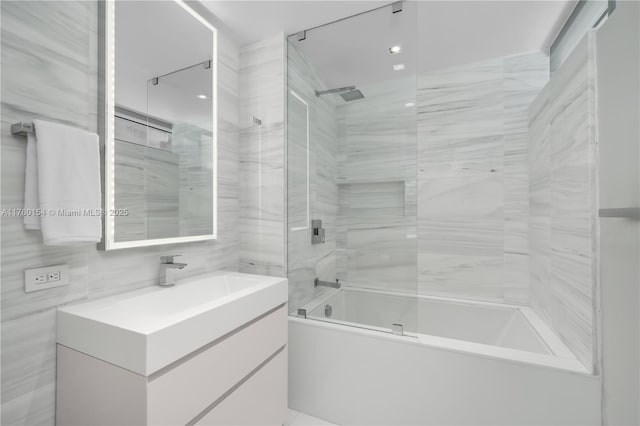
<point x="38" y="279"/>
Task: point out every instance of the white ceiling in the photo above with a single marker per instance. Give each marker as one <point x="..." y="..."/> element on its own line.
<point x="256" y="20"/>
<point x="355" y="51"/>
<point x="445" y="33"/>
<point x="456" y="32"/>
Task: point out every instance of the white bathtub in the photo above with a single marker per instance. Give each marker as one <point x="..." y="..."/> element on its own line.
<point x="459" y="362"/>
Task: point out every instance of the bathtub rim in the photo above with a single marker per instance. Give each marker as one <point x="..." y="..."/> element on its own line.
<point x="560" y="359"/>
<point x="538" y="326"/>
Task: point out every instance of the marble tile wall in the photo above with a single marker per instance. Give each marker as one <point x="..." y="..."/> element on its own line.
<point x="163" y="182"/>
<point x="194" y="147"/>
<point x="146" y="182"/>
<point x="50" y="71"/>
<point x="473" y="177"/>
<point x="376" y="176"/>
<point x="170" y="194"/>
<point x="562" y="234"/>
<point x="262" y="157"/>
<point x="130" y="189"/>
<point x="524" y="77"/>
<point x="308" y="261"/>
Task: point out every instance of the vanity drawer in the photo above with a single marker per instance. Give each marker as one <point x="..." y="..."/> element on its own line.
<point x="261" y="400"/>
<point x="180" y="394"/>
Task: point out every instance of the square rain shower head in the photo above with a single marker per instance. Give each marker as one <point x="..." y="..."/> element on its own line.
<point x="352" y="95"/>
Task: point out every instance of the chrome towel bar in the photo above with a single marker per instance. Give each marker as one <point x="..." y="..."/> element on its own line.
<point x="21" y="128"/>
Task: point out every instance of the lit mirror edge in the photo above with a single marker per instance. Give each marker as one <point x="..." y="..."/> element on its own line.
<point x="308" y="207"/>
<point x="106" y="128"/>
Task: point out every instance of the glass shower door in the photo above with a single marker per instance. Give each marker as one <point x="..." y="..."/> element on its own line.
<point x="351" y="136"/>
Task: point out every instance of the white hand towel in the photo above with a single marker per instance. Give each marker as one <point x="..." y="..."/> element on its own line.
<point x="68" y="184"/>
<point x="31" y="198"/>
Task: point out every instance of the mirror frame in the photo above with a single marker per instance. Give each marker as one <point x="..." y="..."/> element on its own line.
<point x="107" y="124"/>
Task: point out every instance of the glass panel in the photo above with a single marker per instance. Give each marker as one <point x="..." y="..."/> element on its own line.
<point x="164" y="124"/>
<point x="183" y="98"/>
<point x="298" y="173"/>
<point x="164" y="159"/>
<point x="352" y="165"/>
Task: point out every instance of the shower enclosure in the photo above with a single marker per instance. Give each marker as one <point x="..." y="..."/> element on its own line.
<point x="408" y="178"/>
<point x="352" y="149"/>
<point x="452" y="208"/>
<point x="442" y="219"/>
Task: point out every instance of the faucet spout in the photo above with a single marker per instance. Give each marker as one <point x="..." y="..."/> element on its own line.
<point x="175" y="265"/>
<point x="168" y="270"/>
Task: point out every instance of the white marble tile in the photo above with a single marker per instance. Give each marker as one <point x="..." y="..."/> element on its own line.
<point x="55" y="42"/>
<point x="374" y="236"/>
<point x="47" y="72"/>
<point x="194" y="147"/>
<point x="262" y="154"/>
<point x="130" y="190"/>
<point x="28" y="354"/>
<point x="377" y="134"/>
<point x="460" y="180"/>
<point x="473" y="177"/>
<point x="376" y="173"/>
<point x="563" y="214"/>
<point x="34" y="408"/>
<point x="525" y="75"/>
<point x="162" y="173"/>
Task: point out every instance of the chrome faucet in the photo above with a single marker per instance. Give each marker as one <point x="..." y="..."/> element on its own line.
<point x="168" y="270"/>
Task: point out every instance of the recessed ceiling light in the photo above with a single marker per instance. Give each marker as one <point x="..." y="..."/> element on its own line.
<point x="202" y="96"/>
<point x="409" y="104"/>
<point x="395" y="49"/>
<point x="398" y="67"/>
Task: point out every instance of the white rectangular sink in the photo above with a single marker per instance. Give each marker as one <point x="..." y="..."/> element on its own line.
<point x="146" y="330"/>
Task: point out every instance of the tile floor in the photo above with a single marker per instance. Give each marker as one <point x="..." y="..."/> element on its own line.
<point x="296" y="418"/>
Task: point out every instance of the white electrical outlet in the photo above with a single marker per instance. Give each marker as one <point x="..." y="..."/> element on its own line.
<point x="47" y="277"/>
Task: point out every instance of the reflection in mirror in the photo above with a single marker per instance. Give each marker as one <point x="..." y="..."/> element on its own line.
<point x="162" y="140"/>
<point x="298" y="174"/>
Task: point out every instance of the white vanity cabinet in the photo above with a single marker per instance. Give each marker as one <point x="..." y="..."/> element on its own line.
<point x="237" y="377"/>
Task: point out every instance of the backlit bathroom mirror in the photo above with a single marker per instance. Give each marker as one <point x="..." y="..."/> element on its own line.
<point x="160" y="126"/>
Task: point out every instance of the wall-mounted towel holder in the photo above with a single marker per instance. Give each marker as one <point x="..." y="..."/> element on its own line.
<point x="21" y="128"/>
